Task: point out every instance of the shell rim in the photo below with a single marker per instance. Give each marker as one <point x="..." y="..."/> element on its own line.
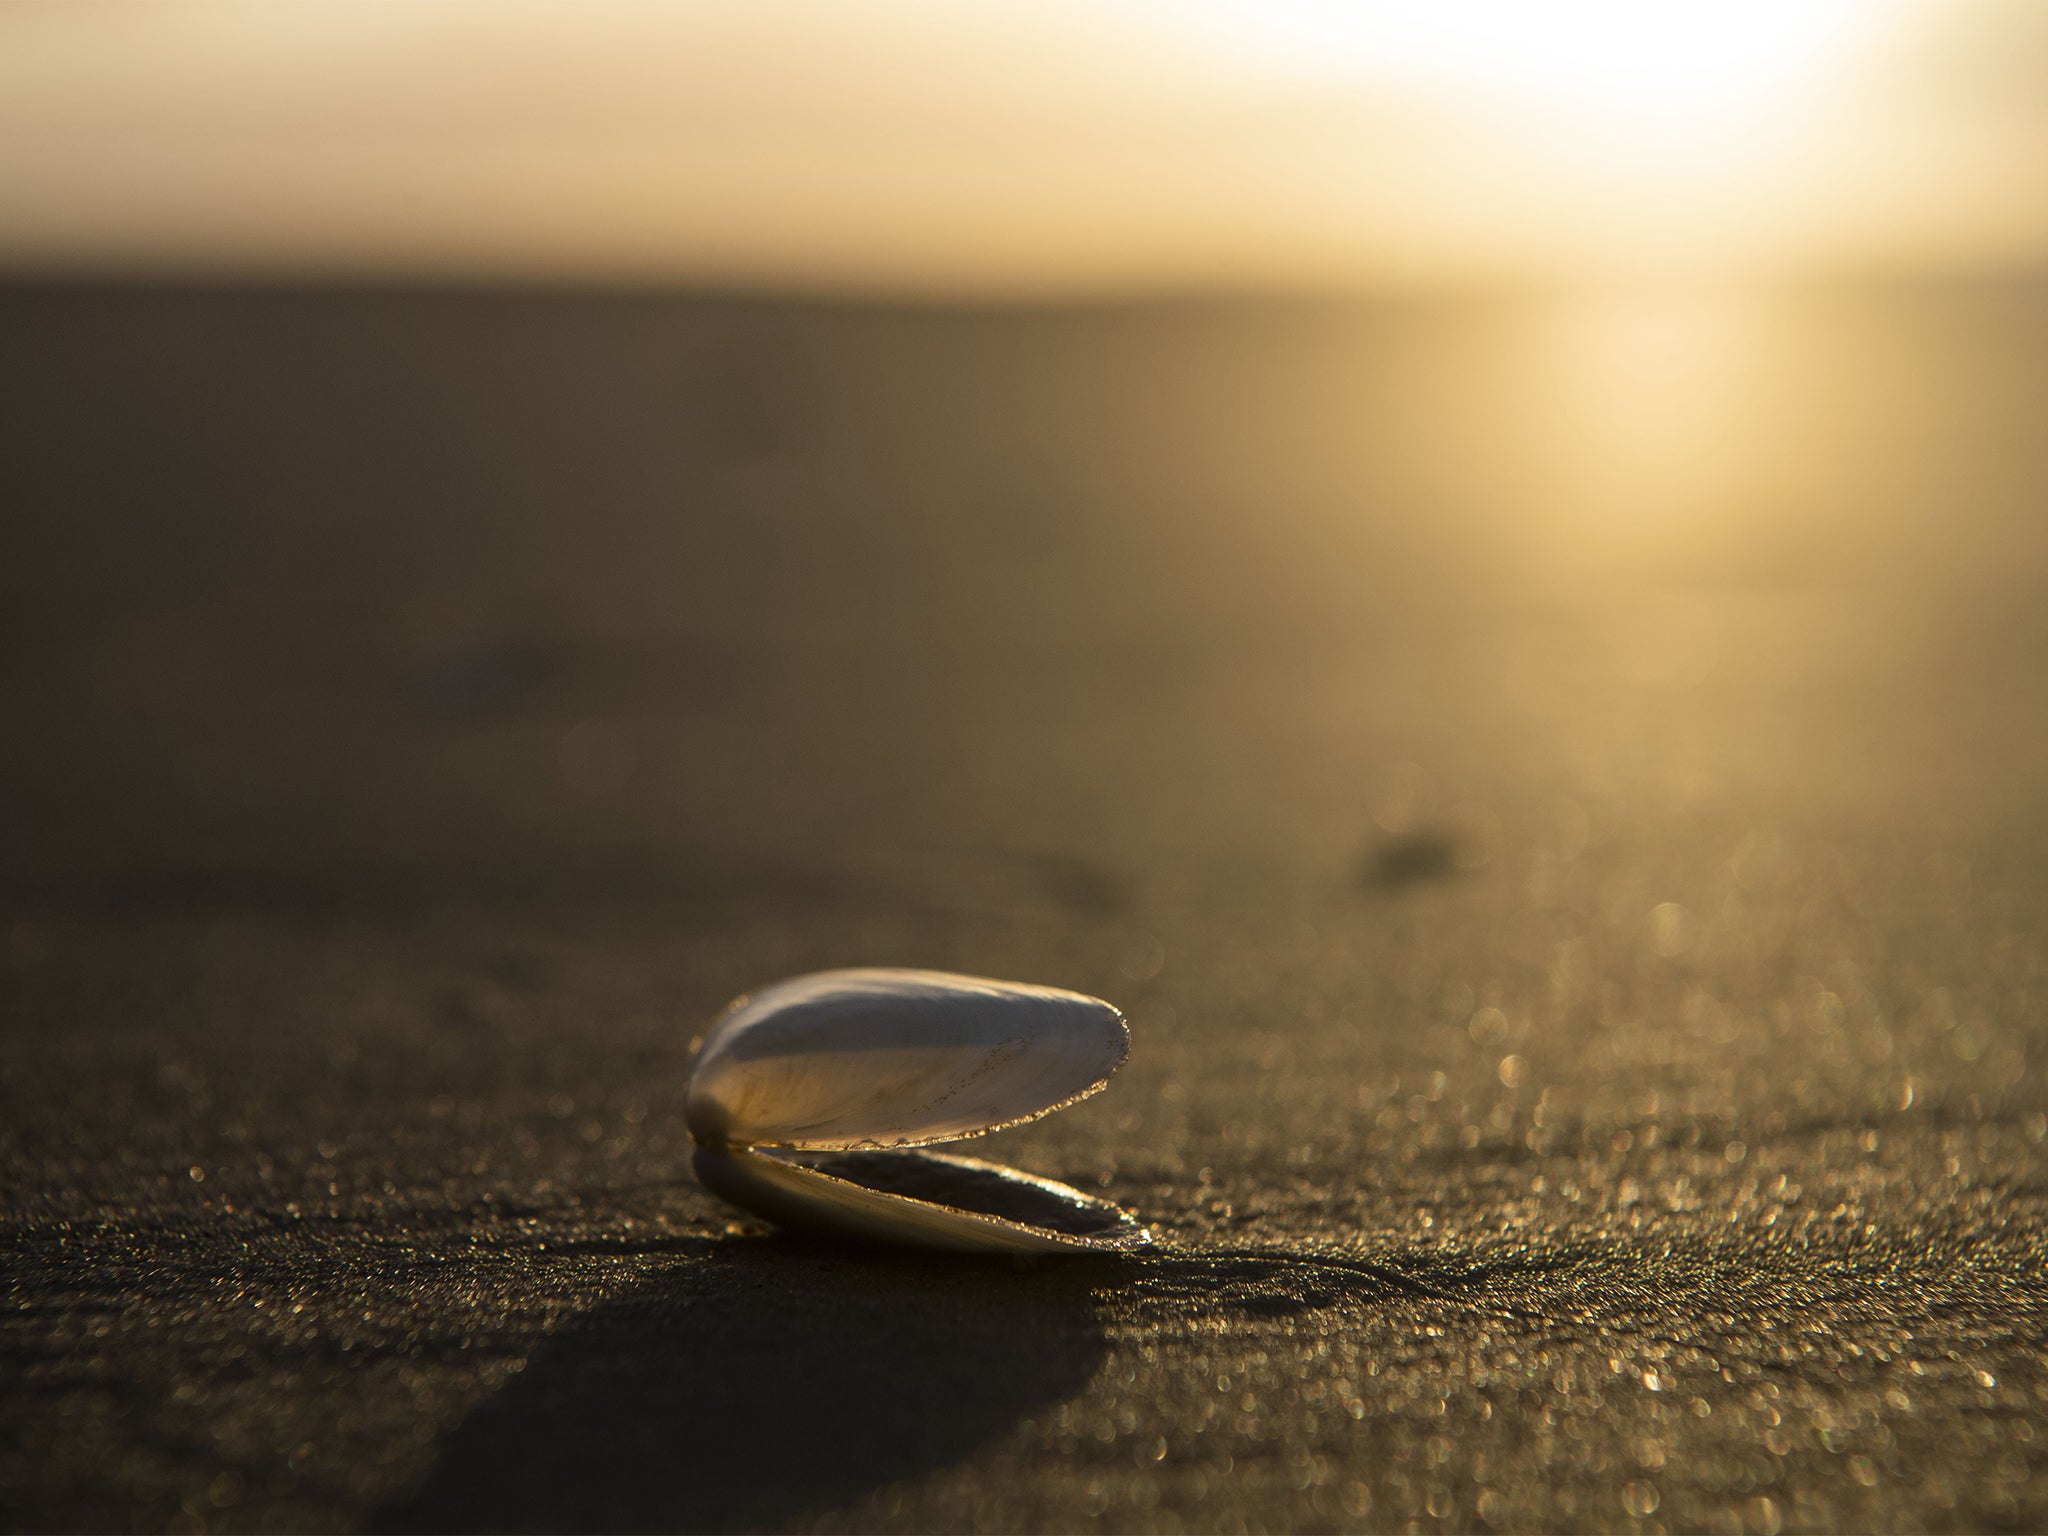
<point x="1134" y="1237"/>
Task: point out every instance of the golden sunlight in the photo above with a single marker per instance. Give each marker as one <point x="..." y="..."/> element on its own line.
<point x="1650" y="398"/>
<point x="1620" y="62"/>
<point x="1027" y="147"/>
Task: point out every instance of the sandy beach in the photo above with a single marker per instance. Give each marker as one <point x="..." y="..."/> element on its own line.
<point x="1588" y="1030"/>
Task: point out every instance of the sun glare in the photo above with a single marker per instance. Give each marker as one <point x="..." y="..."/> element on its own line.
<point x="1652" y="400"/>
<point x="1624" y="63"/>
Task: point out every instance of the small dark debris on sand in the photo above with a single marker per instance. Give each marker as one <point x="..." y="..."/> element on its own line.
<point x="1409" y="858"/>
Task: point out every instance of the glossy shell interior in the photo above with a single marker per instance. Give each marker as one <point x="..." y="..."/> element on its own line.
<point x="924" y="1199"/>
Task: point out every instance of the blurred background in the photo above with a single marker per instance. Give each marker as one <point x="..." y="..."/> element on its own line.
<point x="433" y="430"/>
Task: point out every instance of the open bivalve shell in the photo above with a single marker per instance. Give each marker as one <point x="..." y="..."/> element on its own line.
<point x="809" y="1098"/>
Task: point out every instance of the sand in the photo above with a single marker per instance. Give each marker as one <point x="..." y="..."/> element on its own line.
<point x="1588" y="1047"/>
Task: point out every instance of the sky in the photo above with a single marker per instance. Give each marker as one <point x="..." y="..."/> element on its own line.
<point x="1008" y="148"/>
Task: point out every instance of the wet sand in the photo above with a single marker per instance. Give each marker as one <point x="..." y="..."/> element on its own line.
<point x="1588" y="1039"/>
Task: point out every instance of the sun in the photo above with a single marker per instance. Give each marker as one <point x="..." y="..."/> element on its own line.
<point x="1625" y="64"/>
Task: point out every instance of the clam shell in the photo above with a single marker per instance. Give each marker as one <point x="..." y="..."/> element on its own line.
<point x="925" y="1199"/>
<point x="808" y="1096"/>
<point x="896" y="1058"/>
